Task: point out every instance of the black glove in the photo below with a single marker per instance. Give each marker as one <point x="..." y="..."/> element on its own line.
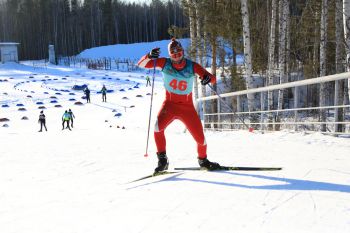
<point x="154" y="54"/>
<point x="206" y="79"/>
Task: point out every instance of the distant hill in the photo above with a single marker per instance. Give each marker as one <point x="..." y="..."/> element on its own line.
<point x="129" y="51"/>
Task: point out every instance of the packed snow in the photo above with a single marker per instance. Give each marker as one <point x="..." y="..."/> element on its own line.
<point x="79" y="181"/>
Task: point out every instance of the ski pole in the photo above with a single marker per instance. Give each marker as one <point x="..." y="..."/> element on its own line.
<point x="234" y="112"/>
<point x="150" y="109"/>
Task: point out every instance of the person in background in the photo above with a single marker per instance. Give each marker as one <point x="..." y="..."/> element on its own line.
<point x="42" y="121"/>
<point x="178" y="76"/>
<point x="66" y="119"/>
<point x="87" y="94"/>
<point x="148" y="81"/>
<point x="104" y="93"/>
<point x="71" y="117"/>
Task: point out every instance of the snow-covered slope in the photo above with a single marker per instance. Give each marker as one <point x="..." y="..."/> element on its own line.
<point x="124" y="51"/>
<point x="77" y="181"/>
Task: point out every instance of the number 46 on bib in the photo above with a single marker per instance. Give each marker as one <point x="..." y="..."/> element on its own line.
<point x="178" y="85"/>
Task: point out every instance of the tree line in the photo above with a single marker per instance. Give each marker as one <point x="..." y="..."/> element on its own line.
<point x="282" y="40"/>
<point x="74" y="25"/>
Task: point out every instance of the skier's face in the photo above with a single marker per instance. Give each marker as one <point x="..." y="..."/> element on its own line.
<point x="176" y="54"/>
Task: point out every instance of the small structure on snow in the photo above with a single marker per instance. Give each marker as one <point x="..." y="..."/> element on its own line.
<point x="52" y="56"/>
<point x="79" y="87"/>
<point x="8" y="52"/>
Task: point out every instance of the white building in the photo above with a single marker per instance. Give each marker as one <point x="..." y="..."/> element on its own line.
<point x="8" y="52"/>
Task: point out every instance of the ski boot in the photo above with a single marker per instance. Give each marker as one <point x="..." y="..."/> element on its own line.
<point x="207" y="165"/>
<point x="163" y="162"/>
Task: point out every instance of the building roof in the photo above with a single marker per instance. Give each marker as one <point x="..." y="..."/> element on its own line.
<point x="8" y="43"/>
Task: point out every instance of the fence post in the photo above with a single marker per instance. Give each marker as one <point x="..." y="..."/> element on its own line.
<point x="296" y="101"/>
<point x="262" y="108"/>
<point x="239" y="109"/>
<point x="219" y="116"/>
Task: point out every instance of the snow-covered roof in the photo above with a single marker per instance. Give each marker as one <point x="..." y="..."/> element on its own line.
<point x="8" y="43"/>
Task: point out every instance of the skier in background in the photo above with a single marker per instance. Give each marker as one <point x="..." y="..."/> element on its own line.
<point x="87" y="94"/>
<point x="178" y="75"/>
<point x="71" y="117"/>
<point x="104" y="93"/>
<point x="148" y="81"/>
<point x="42" y="121"/>
<point x="66" y="119"/>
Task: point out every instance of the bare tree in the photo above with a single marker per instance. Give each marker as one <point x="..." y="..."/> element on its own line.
<point x="193" y="36"/>
<point x="346" y="10"/>
<point x="247" y="53"/>
<point x="323" y="60"/>
<point x="339" y="85"/>
<point x="271" y="59"/>
<point x="200" y="46"/>
<point x="283" y="13"/>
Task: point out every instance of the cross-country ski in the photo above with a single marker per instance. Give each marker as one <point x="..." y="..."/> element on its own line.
<point x="155" y="174"/>
<point x="230" y="168"/>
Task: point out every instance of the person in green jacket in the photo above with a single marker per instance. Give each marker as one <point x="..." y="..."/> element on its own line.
<point x="71" y="117"/>
<point x="66" y="119"/>
<point x="148" y="81"/>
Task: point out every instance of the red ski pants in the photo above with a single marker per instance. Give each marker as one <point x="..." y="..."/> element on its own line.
<point x="186" y="113"/>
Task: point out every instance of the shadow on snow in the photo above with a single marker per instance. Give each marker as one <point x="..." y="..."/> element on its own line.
<point x="288" y="184"/>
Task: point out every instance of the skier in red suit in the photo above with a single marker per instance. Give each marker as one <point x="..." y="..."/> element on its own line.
<point x="178" y="75"/>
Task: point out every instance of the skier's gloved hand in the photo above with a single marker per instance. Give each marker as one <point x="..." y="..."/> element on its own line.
<point x="154" y="54"/>
<point x="206" y="79"/>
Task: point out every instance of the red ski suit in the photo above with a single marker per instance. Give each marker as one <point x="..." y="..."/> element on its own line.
<point x="178" y="102"/>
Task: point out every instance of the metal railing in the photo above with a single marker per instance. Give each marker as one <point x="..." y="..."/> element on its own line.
<point x="304" y="119"/>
